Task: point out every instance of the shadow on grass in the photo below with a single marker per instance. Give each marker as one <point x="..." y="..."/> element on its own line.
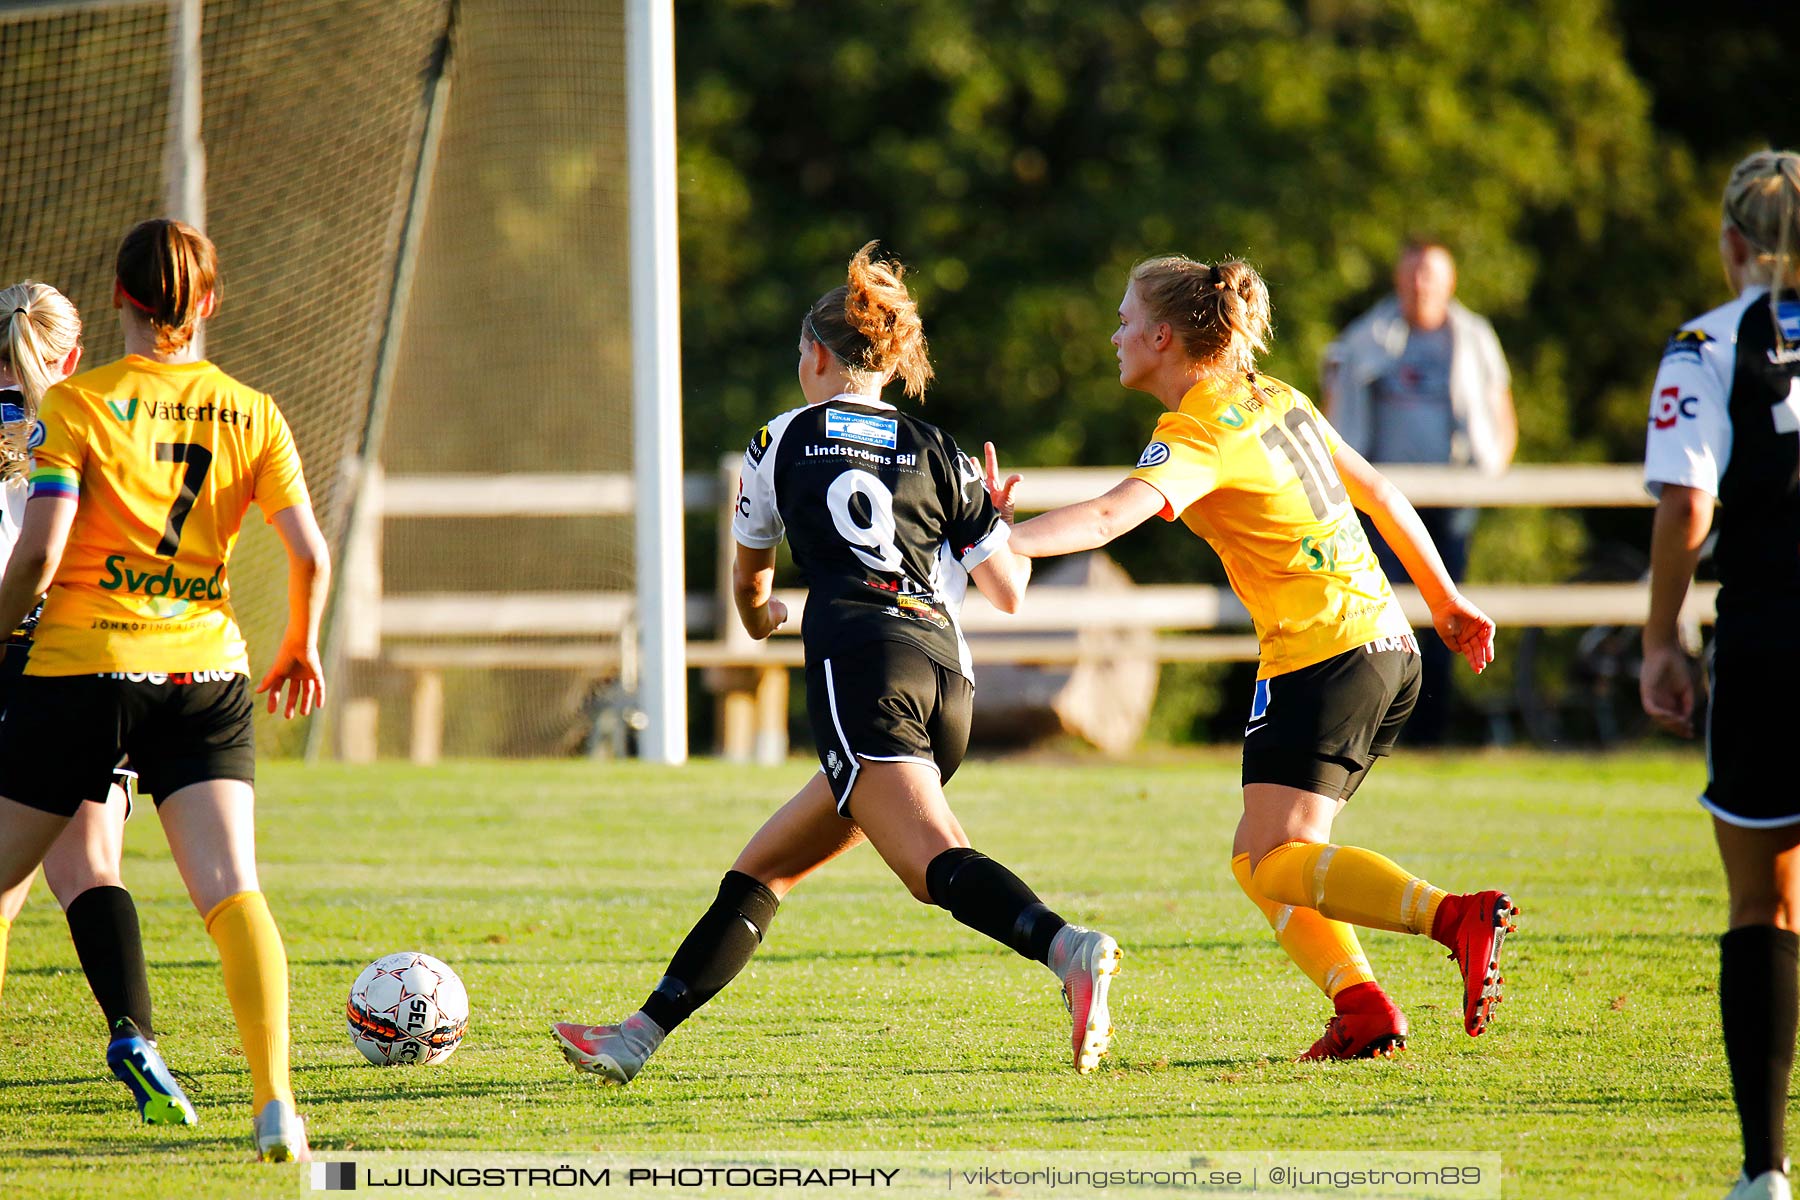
<point x="197" y="1083"/>
<point x="190" y="1146"/>
<point x="208" y="964"/>
<point x="985" y="950"/>
<point x="450" y="1089"/>
<point x="1612" y="939"/>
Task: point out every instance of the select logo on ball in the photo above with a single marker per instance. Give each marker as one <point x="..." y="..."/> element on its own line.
<point x="407" y="1008"/>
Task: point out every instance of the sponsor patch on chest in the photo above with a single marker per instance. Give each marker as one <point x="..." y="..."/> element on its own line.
<point x="860" y="427"/>
<point x="1787" y="314"/>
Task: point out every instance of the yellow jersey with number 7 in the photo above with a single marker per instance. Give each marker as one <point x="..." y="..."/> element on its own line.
<point x="1246" y="463"/>
<point x="163" y="460"/>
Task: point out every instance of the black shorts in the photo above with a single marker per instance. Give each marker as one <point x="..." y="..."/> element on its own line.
<point x="1747" y="783"/>
<point x="1322" y="727"/>
<point x="886" y="702"/>
<point x="12" y="669"/>
<point x="177" y="730"/>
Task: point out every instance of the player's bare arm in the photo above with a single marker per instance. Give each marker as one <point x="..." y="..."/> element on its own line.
<point x="1683" y="518"/>
<point x="753" y="588"/>
<point x="34" y="560"/>
<point x="1464" y="627"/>
<point x="297" y="662"/>
<point x="1089" y="524"/>
<point x="1002" y="577"/>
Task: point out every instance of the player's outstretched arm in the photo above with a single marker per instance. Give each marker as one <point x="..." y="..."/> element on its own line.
<point x="297" y="666"/>
<point x="1463" y="627"/>
<point x="1089" y="524"/>
<point x="34" y="560"/>
<point x="753" y="588"/>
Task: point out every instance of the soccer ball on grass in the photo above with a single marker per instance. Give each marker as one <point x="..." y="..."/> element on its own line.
<point x="407" y="1008"/>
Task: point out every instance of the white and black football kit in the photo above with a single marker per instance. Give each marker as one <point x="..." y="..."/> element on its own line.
<point x="884" y="516"/>
<point x="1725" y="420"/>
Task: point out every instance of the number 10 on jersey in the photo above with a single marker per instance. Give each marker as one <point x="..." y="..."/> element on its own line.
<point x="1306" y="451"/>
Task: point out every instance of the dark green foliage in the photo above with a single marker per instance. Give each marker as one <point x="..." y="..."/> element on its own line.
<point x="1021" y="156"/>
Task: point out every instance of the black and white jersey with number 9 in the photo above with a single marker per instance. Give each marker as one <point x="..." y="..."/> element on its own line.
<point x="884" y="516"/>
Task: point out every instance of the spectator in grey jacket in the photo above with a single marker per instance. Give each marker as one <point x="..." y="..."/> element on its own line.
<point x="1421" y="379"/>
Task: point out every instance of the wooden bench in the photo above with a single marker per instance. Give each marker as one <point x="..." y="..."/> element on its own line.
<point x="423" y="635"/>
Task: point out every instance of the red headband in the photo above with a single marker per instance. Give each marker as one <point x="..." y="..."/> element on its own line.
<point x="135" y="302"/>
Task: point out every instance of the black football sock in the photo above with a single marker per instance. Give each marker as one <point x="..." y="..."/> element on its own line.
<point x="715" y="950"/>
<point x="1759" y="1000"/>
<point x="103" y="922"/>
<point x="990" y="899"/>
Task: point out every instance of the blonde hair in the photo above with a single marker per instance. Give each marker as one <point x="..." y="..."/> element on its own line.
<point x="167" y="268"/>
<point x="871" y="325"/>
<point x="1762" y="202"/>
<point x="42" y="329"/>
<point x="1220" y="311"/>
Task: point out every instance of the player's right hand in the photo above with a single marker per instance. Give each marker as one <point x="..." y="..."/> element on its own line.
<point x="774" y="616"/>
<point x="1000" y="493"/>
<point x="1666" y="686"/>
<point x="1466" y="630"/>
<point x="299" y="669"/>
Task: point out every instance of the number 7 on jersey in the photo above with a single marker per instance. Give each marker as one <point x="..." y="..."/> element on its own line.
<point x="199" y="461"/>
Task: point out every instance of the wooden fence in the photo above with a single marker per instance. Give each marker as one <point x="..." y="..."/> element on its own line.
<point x="425" y="634"/>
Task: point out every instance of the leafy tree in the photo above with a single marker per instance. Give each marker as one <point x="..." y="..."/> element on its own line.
<point x="1021" y="155"/>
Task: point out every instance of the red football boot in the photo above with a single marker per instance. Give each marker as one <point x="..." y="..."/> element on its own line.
<point x="1474" y="926"/>
<point x="1367" y="1025"/>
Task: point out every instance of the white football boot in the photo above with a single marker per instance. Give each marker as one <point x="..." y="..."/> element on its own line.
<point x="1086" y="961"/>
<point x="1770" y="1185"/>
<point x="616" y="1053"/>
<point x="280" y="1134"/>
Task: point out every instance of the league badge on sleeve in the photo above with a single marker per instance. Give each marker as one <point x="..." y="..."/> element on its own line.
<point x="759" y="446"/>
<point x="1686" y="344"/>
<point x="37" y="436"/>
<point x="1154" y="455"/>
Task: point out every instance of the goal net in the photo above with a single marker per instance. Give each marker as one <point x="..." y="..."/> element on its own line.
<point x="513" y="354"/>
<point x="516" y="358"/>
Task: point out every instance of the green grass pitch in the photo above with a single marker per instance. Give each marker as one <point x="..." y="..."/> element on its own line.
<point x="558" y="890"/>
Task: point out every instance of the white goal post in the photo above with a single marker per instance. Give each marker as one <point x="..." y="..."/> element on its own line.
<point x="656" y="378"/>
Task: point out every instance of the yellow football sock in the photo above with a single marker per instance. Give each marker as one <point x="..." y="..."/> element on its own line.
<point x="1326" y="950"/>
<point x="5" y="930"/>
<point x="257" y="984"/>
<point x="1348" y="883"/>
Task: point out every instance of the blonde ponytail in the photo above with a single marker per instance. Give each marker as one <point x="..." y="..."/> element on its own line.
<point x="41" y="329"/>
<point x="1219" y="311"/>
<point x="1762" y="202"/>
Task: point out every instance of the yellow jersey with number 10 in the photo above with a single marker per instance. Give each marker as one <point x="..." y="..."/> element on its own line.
<point x="164" y="459"/>
<point x="1246" y="463"/>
